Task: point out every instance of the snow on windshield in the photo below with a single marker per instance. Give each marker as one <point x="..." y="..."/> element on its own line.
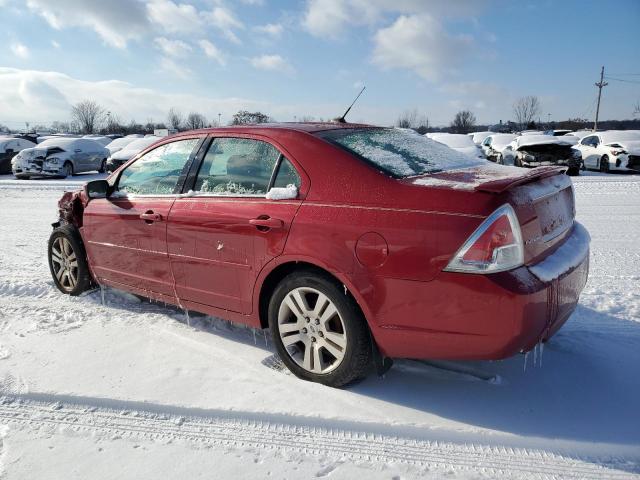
<point x="502" y="140"/>
<point x="399" y="153"/>
<point x="454" y="140"/>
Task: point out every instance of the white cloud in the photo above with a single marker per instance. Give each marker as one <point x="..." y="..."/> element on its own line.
<point x="173" y="48"/>
<point x="211" y="51"/>
<point x="174" y="18"/>
<point x="55" y="44"/>
<point x="116" y="23"/>
<point x="171" y="66"/>
<point x="20" y="50"/>
<point x="420" y="43"/>
<point x="271" y="62"/>
<point x="273" y="29"/>
<point x="224" y="20"/>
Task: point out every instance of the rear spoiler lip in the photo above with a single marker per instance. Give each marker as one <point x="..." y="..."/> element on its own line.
<point x="503" y="184"/>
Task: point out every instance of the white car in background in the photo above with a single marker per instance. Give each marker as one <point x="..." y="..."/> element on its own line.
<point x="611" y="150"/>
<point x="9" y="148"/>
<point x="479" y="137"/>
<point x="494" y="145"/>
<point x="60" y="157"/>
<point x="122" y="156"/>
<point x="121" y="143"/>
<point x="101" y="139"/>
<point x="460" y="142"/>
<point x="540" y="150"/>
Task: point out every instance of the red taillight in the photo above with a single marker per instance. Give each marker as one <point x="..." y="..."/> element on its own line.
<point x="495" y="246"/>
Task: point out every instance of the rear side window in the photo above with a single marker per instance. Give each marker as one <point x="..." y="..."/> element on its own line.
<point x="237" y="166"/>
<point x="286" y="175"/>
<point x="397" y="152"/>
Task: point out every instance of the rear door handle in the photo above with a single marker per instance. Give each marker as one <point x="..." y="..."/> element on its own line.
<point x="264" y="222"/>
<point x="150" y="217"/>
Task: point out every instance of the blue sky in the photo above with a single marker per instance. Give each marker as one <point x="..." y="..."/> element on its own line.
<point x="294" y="59"/>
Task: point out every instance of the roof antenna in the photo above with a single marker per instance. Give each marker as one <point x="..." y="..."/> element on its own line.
<point x="341" y="119"/>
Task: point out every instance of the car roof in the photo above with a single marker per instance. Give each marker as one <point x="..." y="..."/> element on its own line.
<point x="307" y="127"/>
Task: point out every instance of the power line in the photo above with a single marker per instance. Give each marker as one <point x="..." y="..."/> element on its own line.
<point x="622" y="80"/>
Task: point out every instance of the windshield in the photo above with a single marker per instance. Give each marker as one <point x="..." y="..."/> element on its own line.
<point x="502" y="140"/>
<point x="141" y="143"/>
<point x="454" y="140"/>
<point x="397" y="152"/>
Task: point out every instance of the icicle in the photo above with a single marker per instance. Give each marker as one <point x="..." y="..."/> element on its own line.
<point x="266" y="343"/>
<point x="345" y="288"/>
<point x="535" y="355"/>
<point x="254" y="338"/>
<point x="186" y="317"/>
<point x="526" y="355"/>
<point x="102" y="294"/>
<point x="541" y="352"/>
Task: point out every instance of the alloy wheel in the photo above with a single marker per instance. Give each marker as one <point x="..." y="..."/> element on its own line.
<point x="312" y="330"/>
<point x="64" y="263"/>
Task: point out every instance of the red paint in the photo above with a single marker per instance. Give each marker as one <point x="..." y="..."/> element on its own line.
<point x="386" y="240"/>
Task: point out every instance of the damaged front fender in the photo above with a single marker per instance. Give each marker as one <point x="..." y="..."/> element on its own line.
<point x="70" y="208"/>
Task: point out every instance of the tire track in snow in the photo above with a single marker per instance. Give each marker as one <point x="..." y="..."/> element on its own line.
<point x="23" y="412"/>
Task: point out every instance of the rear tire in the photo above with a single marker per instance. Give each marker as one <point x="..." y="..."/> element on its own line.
<point x="604" y="164"/>
<point x="573" y="171"/>
<point x="68" y="261"/>
<point x="327" y="337"/>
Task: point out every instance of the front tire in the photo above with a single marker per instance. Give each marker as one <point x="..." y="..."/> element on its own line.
<point x="604" y="164"/>
<point x="67" y="169"/>
<point x="319" y="331"/>
<point x="68" y="261"/>
<point x="573" y="171"/>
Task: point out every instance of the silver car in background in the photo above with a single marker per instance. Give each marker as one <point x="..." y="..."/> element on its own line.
<point x="60" y="157"/>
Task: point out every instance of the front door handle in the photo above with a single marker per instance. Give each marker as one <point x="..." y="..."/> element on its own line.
<point x="149" y="217"/>
<point x="264" y="222"/>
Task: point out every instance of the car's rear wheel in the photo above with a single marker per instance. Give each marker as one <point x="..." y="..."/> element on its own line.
<point x="22" y="177"/>
<point x="67" y="169"/>
<point x="573" y="171"/>
<point x="103" y="166"/>
<point x="500" y="159"/>
<point x="604" y="164"/>
<point x="68" y="261"/>
<point x="319" y="331"/>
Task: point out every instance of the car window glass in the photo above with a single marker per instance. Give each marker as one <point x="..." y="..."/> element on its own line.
<point x="158" y="171"/>
<point x="286" y="175"/>
<point x="237" y="166"/>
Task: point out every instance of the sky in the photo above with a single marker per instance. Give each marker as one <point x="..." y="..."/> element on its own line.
<point x="297" y="59"/>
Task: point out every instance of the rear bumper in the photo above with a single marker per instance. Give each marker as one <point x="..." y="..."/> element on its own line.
<point x="479" y="317"/>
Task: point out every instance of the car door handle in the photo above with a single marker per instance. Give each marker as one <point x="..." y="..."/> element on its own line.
<point x="264" y="222"/>
<point x="150" y="217"/>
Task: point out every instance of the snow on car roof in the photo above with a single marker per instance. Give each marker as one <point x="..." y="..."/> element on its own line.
<point x="502" y="139"/>
<point x="611" y="136"/>
<point x="140" y="143"/>
<point x="544" y="139"/>
<point x="454" y="140"/>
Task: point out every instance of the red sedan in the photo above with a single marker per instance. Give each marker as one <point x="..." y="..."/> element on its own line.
<point x="353" y="244"/>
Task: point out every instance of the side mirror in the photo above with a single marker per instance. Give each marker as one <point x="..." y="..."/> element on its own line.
<point x="97" y="189"/>
<point x="289" y="192"/>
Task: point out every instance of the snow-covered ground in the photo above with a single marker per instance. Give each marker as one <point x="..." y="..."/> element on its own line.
<point x="127" y="389"/>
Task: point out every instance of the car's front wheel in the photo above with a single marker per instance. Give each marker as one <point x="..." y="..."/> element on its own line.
<point x="604" y="164"/>
<point x="319" y="331"/>
<point x="67" y="169"/>
<point x="68" y="261"/>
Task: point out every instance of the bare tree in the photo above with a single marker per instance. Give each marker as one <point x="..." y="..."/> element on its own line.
<point x="525" y="109"/>
<point x="463" y="122"/>
<point x="407" y="119"/>
<point x="636" y="109"/>
<point x="243" y="117"/>
<point x="174" y="119"/>
<point x="195" y="120"/>
<point x="88" y="115"/>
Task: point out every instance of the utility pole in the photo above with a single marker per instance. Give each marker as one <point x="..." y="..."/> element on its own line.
<point x="600" y="85"/>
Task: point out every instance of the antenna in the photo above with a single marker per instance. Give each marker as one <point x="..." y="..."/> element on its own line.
<point x="341" y="119"/>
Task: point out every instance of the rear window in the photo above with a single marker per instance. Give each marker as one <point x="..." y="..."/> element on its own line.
<point x="397" y="152"/>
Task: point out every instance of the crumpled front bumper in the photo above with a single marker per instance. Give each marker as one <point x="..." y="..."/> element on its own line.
<point x="36" y="168"/>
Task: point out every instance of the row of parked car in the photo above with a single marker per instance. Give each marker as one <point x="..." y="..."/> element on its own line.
<point x="584" y="149"/>
<point x="66" y="155"/>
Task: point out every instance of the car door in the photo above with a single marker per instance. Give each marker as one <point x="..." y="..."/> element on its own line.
<point x="220" y="238"/>
<point x="125" y="234"/>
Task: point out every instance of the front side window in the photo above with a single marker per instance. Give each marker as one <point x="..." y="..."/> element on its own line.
<point x="399" y="153"/>
<point x="237" y="166"/>
<point x="158" y="171"/>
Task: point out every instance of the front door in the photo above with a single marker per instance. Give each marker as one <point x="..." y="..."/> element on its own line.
<point x="126" y="234"/>
<point x="220" y="238"/>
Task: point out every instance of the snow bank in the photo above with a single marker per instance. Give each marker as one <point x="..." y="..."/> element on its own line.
<point x="568" y="256"/>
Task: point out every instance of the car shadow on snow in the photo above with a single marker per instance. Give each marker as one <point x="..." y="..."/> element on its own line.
<point x="585" y="389"/>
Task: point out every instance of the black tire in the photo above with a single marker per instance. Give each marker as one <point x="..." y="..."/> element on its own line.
<point x="604" y="164"/>
<point x="500" y="159"/>
<point x="23" y="177"/>
<point x="80" y="273"/>
<point x="103" y="166"/>
<point x="573" y="171"/>
<point x="357" y="360"/>
<point x="68" y="170"/>
<point x="582" y="166"/>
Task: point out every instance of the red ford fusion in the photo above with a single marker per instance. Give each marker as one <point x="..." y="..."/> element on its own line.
<point x="352" y="244"/>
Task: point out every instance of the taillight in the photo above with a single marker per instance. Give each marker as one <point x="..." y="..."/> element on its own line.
<point x="495" y="246"/>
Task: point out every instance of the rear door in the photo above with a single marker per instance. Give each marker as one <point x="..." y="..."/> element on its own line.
<point x="126" y="234"/>
<point x="220" y="237"/>
<point x="589" y="153"/>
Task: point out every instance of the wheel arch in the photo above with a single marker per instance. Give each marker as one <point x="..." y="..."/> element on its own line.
<point x="271" y="278"/>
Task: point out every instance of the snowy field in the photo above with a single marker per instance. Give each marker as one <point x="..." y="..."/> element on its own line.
<point x="116" y="387"/>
